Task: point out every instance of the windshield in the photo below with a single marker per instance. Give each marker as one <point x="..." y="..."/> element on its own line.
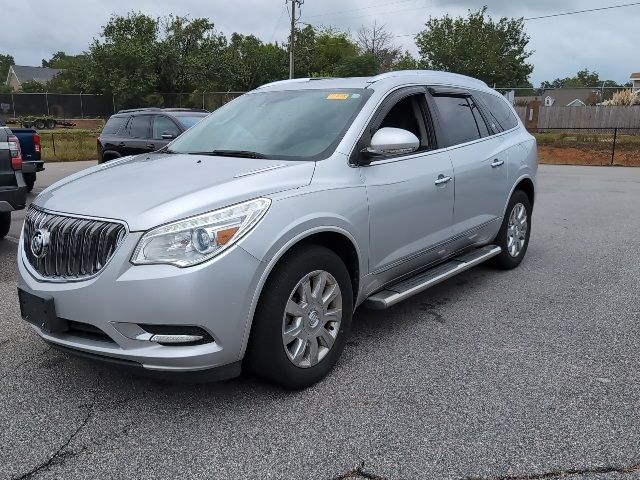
<point x="188" y="122"/>
<point x="296" y="125"/>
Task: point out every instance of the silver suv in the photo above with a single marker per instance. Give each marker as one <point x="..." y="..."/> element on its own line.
<point x="259" y="231"/>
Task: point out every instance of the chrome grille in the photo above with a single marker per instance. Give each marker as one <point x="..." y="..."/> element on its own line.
<point x="77" y="247"/>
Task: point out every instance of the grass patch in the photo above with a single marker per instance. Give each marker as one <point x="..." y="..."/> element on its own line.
<point x="567" y="138"/>
<point x="69" y="146"/>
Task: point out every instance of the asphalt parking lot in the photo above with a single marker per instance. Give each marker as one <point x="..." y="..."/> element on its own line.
<point x="532" y="373"/>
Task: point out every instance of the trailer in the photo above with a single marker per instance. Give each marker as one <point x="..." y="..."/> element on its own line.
<point x="40" y="122"/>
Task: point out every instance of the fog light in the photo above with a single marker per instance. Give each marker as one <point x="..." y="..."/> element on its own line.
<point x="175" y="339"/>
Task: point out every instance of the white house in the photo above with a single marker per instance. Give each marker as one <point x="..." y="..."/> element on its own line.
<point x="635" y="82"/>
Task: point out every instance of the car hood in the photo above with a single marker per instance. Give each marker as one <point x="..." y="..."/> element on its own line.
<point x="149" y="190"/>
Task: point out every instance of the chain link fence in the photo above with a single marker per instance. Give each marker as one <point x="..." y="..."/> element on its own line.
<point x="80" y="105"/>
<point x="589" y="146"/>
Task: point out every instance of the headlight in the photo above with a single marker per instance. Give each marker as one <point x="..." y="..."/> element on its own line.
<point x="197" y="239"/>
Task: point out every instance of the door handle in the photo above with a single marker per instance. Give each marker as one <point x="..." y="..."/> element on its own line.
<point x="496" y="163"/>
<point x="151" y="146"/>
<point x="441" y="180"/>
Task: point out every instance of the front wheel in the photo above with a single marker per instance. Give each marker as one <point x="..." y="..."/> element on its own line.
<point x="5" y="223"/>
<point x="302" y="319"/>
<point x="514" y="233"/>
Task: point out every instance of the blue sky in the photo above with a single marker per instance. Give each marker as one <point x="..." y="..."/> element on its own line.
<point x="605" y="41"/>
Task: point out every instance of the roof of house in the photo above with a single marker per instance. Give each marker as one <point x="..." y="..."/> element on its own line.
<point x="33" y="74"/>
<point x="564" y="96"/>
<point x="635" y="75"/>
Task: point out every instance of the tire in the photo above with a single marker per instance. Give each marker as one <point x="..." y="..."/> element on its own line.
<point x="30" y="180"/>
<point x="267" y="355"/>
<point x="513" y="253"/>
<point x="5" y="223"/>
<point x="51" y="124"/>
<point x="39" y="125"/>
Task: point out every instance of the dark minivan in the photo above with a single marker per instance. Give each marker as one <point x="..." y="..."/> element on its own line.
<point x="131" y="132"/>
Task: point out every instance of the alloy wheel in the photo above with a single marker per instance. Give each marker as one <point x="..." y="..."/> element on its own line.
<point x="312" y="319"/>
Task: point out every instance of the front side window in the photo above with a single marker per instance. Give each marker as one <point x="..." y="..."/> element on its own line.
<point x="408" y="114"/>
<point x="139" y="126"/>
<point x="295" y="125"/>
<point x="457" y="118"/>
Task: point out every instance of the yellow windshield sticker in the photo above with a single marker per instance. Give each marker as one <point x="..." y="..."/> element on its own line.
<point x="337" y="96"/>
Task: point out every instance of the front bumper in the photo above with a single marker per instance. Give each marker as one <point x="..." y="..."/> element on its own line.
<point x="216" y="296"/>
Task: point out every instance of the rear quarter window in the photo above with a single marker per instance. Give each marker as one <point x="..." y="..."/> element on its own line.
<point x="113" y="126"/>
<point x="500" y="113"/>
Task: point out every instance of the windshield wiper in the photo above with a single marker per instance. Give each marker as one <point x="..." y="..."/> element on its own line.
<point x="231" y="153"/>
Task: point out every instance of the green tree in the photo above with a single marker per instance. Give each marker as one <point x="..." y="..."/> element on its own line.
<point x="61" y="60"/>
<point x="331" y="48"/>
<point x="584" y="78"/>
<point x="406" y="62"/>
<point x="5" y="62"/>
<point x="33" y="87"/>
<point x="364" y="65"/>
<point x="478" y="46"/>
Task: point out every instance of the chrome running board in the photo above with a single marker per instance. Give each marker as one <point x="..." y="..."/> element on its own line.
<point x="407" y="288"/>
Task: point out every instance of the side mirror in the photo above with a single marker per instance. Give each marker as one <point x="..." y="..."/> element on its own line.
<point x="168" y="136"/>
<point x="392" y="141"/>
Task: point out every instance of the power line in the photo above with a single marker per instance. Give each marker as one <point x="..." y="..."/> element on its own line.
<point x="552" y="15"/>
<point x="583" y="11"/>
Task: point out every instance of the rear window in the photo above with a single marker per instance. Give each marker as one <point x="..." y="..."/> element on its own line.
<point x="113" y="125"/>
<point x="501" y="116"/>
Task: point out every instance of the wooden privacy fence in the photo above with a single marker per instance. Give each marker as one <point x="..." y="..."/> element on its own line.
<point x="590" y="117"/>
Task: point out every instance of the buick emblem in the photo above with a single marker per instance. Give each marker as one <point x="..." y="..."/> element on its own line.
<point x="40" y="243"/>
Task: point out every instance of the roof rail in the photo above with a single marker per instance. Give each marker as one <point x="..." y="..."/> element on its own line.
<point x="130" y="110"/>
<point x="280" y="82"/>
<point x="433" y="73"/>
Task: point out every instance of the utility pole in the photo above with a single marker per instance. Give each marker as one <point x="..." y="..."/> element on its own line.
<point x="293" y="34"/>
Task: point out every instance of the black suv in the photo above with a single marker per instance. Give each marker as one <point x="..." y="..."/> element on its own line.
<point x="130" y="132"/>
<point x="13" y="190"/>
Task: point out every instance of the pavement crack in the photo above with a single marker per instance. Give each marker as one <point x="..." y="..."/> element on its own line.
<point x="359" y="472"/>
<point x="61" y="456"/>
<point x="563" y="473"/>
<point x="24" y="362"/>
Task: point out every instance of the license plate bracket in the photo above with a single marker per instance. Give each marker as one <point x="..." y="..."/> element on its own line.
<point x="41" y="312"/>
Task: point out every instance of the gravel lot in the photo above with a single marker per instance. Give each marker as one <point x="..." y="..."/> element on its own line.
<point x="532" y="373"/>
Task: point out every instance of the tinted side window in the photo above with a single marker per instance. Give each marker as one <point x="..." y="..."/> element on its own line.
<point x="482" y="126"/>
<point x="162" y="124"/>
<point x="457" y="119"/>
<point x="139" y="126"/>
<point x="499" y="111"/>
<point x="113" y="125"/>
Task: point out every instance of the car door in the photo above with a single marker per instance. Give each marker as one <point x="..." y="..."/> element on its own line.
<point x="163" y="130"/>
<point x="479" y="161"/>
<point x="410" y="196"/>
<point x="137" y="136"/>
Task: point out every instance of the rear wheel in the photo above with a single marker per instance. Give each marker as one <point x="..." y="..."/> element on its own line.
<point x="5" y="223"/>
<point x="302" y="319"/>
<point x="51" y="124"/>
<point x="40" y="125"/>
<point x="30" y="180"/>
<point x="514" y="233"/>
